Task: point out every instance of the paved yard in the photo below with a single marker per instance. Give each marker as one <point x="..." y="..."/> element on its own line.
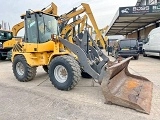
<point x="38" y="99"/>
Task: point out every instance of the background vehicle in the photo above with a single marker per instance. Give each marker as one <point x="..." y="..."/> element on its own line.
<point x="4" y="36"/>
<point x="126" y="48"/>
<point x="152" y="43"/>
<point x="64" y="59"/>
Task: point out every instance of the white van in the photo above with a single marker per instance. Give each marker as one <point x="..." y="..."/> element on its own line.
<point x="152" y="43"/>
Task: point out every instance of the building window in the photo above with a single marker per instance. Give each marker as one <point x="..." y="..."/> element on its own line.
<point x="152" y="2"/>
<point x="143" y="2"/>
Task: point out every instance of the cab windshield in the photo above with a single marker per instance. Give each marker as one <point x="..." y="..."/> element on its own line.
<point x="48" y="23"/>
<point x="47" y="26"/>
<point x="40" y="27"/>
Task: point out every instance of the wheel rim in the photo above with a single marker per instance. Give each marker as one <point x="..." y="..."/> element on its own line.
<point x="20" y="68"/>
<point x="60" y="73"/>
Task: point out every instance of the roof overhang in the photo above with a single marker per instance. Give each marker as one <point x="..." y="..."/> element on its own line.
<point x="130" y="19"/>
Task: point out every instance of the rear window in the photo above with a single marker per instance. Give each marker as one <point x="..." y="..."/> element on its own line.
<point x="128" y="43"/>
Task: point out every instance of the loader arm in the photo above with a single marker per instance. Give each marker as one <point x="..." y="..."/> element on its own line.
<point x="16" y="28"/>
<point x="84" y="24"/>
<point x="93" y="21"/>
<point x="70" y="26"/>
<point x="85" y="8"/>
<point x="91" y="29"/>
<point x="83" y="60"/>
<point x="51" y="10"/>
<point x="103" y="30"/>
<point x="87" y="62"/>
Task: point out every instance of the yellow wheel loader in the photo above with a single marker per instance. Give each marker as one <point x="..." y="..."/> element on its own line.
<point x="43" y="46"/>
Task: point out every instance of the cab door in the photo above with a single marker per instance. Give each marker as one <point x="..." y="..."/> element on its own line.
<point x="31" y="34"/>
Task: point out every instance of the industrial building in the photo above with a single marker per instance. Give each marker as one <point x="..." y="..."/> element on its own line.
<point x="136" y="21"/>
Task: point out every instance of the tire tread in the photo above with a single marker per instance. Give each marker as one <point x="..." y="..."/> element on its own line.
<point x="75" y="69"/>
<point x="31" y="71"/>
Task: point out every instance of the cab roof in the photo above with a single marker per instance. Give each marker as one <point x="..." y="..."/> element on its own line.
<point x="22" y="16"/>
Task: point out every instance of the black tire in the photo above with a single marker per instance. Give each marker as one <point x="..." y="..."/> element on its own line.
<point x="29" y="72"/>
<point x="144" y="54"/>
<point x="85" y="75"/>
<point x="73" y="71"/>
<point x="2" y="57"/>
<point x="136" y="57"/>
<point x="45" y="68"/>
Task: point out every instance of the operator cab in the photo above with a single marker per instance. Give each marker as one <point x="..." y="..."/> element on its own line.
<point x="5" y="36"/>
<point x="39" y="27"/>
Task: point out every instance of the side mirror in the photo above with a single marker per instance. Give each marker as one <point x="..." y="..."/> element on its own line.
<point x="28" y="14"/>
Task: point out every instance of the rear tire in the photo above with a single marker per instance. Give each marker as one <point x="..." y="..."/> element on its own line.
<point x="64" y="72"/>
<point x="136" y="57"/>
<point x="144" y="54"/>
<point x="22" y="70"/>
<point x="2" y="57"/>
<point x="45" y="68"/>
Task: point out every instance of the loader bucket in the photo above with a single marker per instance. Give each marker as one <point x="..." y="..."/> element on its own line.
<point x="125" y="89"/>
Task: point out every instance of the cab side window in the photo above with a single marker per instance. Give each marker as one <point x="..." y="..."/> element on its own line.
<point x="31" y="30"/>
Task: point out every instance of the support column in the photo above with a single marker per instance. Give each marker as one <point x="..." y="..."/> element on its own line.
<point x="138" y="35"/>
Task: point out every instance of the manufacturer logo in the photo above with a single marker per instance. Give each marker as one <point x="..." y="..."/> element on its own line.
<point x="126" y="10"/>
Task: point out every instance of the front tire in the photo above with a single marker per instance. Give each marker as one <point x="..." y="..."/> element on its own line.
<point x="64" y="72"/>
<point x="22" y="70"/>
<point x="136" y="57"/>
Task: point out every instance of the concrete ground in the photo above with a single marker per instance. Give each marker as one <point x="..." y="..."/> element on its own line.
<point x="38" y="99"/>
